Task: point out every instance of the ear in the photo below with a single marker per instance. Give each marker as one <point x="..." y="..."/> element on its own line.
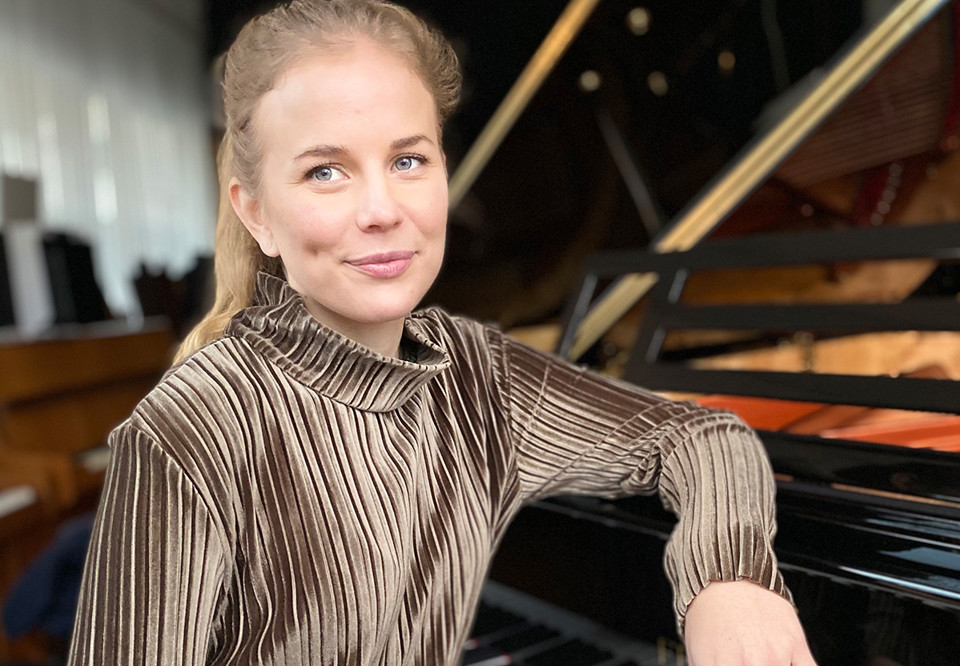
<point x="248" y="210"/>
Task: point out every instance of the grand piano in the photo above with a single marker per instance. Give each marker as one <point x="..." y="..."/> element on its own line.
<point x="811" y="286"/>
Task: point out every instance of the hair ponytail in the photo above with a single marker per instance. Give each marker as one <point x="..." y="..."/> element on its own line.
<point x="236" y="262"/>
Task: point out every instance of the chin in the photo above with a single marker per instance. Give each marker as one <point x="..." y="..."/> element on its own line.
<point x="394" y="304"/>
<point x="386" y="312"/>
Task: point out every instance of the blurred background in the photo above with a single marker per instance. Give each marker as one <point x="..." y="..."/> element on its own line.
<point x="109" y="124"/>
<point x="111" y="109"/>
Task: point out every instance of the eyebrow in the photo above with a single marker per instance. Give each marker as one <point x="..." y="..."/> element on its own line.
<point x="324" y="150"/>
<point x="409" y="141"/>
<point x="330" y="150"/>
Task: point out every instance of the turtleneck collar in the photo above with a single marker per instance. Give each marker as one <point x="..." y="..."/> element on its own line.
<point x="279" y="326"/>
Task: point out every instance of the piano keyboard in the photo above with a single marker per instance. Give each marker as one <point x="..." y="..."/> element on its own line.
<point x="515" y="628"/>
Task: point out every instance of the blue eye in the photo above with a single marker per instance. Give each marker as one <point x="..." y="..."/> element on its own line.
<point x="326" y="173"/>
<point x="408" y="162"/>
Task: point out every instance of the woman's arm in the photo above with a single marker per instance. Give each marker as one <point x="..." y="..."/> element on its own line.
<point x="576" y="432"/>
<point x="155" y="565"/>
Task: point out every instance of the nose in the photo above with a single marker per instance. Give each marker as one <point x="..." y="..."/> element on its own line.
<point x="378" y="207"/>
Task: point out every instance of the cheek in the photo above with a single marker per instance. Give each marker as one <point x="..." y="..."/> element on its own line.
<point x="435" y="212"/>
<point x="304" y="230"/>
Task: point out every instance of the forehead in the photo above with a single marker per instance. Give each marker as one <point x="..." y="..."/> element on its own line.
<point x="361" y="86"/>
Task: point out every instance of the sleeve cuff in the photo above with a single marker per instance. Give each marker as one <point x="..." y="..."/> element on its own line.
<point x="717" y="478"/>
<point x="753" y="559"/>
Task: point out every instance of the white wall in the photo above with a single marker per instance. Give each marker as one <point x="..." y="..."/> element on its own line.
<point x="105" y="102"/>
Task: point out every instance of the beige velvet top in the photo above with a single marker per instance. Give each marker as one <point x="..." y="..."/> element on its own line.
<point x="286" y="496"/>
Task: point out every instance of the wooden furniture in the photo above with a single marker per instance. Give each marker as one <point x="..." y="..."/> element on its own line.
<point x="59" y="398"/>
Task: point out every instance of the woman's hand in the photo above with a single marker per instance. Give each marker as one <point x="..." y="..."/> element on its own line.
<point x="743" y="624"/>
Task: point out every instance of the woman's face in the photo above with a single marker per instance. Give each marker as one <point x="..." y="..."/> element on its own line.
<point x="354" y="187"/>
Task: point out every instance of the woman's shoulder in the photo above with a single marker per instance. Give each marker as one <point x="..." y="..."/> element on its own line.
<point x="211" y="386"/>
<point x="223" y="364"/>
<point x="198" y="416"/>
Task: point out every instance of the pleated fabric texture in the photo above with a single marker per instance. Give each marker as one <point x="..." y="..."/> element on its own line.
<point x="287" y="496"/>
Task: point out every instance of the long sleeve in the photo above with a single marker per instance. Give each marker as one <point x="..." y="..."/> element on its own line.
<point x="576" y="432"/>
<point x="155" y="565"/>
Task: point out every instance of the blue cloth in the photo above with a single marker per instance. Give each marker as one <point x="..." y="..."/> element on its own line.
<point x="45" y="596"/>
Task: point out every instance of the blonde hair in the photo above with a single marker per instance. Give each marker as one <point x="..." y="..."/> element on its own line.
<point x="267" y="47"/>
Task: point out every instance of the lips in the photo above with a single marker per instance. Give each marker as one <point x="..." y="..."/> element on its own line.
<point x="383" y="264"/>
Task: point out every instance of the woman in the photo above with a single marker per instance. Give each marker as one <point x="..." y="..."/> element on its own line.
<point x="324" y="477"/>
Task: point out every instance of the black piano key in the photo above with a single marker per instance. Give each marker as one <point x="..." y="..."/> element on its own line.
<point x="571" y="653"/>
<point x="588" y="642"/>
<point x="486" y="656"/>
<point x="526" y="639"/>
<point x="499" y="635"/>
<point x="491" y="619"/>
